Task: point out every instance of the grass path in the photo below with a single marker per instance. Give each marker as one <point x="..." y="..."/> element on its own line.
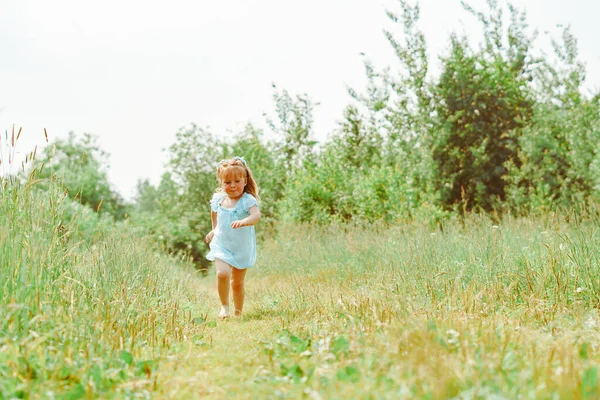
<point x="221" y="358"/>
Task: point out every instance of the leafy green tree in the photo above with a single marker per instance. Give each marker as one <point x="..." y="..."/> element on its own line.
<point x="293" y="128"/>
<point x="558" y="163"/>
<point x="189" y="188"/>
<point x="147" y="196"/>
<point x="482" y="103"/>
<point x="80" y="165"/>
<point x="163" y="214"/>
<point x="176" y="213"/>
<point x="358" y="147"/>
<point x="499" y="125"/>
<point x="399" y="108"/>
<point x="263" y="162"/>
<point x="193" y="161"/>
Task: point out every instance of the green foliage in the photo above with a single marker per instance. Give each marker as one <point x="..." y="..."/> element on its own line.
<point x="80" y="166"/>
<point x="500" y="128"/>
<point x="80" y="222"/>
<point x="293" y="128"/>
<point x="336" y="190"/>
<point x="266" y="169"/>
<point x="162" y="215"/>
<point x="317" y="193"/>
<point x="482" y="103"/>
<point x="147" y="197"/>
<point x="165" y="215"/>
<point x="176" y="213"/>
<point x="557" y="165"/>
<point x="357" y="147"/>
<point x="87" y="299"/>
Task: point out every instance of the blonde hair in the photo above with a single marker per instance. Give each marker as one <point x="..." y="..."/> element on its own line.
<point x="237" y="167"/>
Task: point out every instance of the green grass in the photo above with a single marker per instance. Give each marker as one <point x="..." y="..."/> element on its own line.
<point x="479" y="310"/>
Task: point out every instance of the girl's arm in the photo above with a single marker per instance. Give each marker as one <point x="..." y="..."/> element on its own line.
<point x="213" y="217"/>
<point x="250" y="220"/>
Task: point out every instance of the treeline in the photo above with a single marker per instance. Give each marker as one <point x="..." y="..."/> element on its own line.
<point x="502" y="128"/>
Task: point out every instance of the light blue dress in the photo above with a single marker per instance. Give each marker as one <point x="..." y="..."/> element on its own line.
<point x="236" y="247"/>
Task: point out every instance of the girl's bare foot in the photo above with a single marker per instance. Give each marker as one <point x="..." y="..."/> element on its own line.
<point x="238" y="313"/>
<point x="224" y="313"/>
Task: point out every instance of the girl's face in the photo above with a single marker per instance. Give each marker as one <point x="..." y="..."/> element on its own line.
<point x="233" y="185"/>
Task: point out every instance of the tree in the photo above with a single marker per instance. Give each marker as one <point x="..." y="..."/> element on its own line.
<point x="399" y="108"/>
<point x="80" y="166"/>
<point x="558" y="161"/>
<point x="147" y="196"/>
<point x="262" y="161"/>
<point x="358" y="147"/>
<point x="482" y="103"/>
<point x="294" y="129"/>
<point x="187" y="187"/>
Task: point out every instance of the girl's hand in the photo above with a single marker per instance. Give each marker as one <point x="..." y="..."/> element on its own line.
<point x="209" y="237"/>
<point x="238" y="224"/>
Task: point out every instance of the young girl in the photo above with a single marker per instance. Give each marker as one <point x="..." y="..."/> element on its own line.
<point x="232" y="240"/>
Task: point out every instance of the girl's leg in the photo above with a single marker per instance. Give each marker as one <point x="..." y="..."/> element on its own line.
<point x="223" y="276"/>
<point x="237" y="285"/>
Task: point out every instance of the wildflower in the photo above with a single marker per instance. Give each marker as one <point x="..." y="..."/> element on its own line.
<point x="562" y="247"/>
<point x="590" y="323"/>
<point x="453" y="336"/>
<point x="452" y="333"/>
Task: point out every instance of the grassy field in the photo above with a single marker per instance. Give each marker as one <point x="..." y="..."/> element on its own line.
<point x="478" y="311"/>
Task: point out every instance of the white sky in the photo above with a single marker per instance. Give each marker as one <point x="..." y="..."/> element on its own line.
<point x="133" y="72"/>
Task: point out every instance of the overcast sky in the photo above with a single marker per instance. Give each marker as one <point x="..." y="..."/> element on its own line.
<point x="133" y="72"/>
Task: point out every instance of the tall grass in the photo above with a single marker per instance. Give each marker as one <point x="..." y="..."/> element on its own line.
<point x="480" y="311"/>
<point x="83" y="316"/>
